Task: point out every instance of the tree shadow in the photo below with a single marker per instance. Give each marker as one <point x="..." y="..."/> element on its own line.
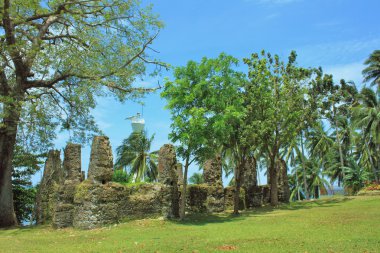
<point x="23" y="229"/>
<point x="227" y="216"/>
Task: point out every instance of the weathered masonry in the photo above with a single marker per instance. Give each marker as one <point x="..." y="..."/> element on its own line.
<point x="67" y="199"/>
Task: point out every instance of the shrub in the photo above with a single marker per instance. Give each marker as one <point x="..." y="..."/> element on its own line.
<point x="121" y="176"/>
<point x="372" y="187"/>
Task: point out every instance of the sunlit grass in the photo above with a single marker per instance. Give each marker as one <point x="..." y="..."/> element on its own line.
<point x="328" y="225"/>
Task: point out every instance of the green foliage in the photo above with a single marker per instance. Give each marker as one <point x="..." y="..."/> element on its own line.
<point x="196" y="178"/>
<point x="275" y="98"/>
<point x="133" y="155"/>
<point x="84" y="50"/>
<point x="206" y="108"/>
<point x="355" y="176"/>
<point x="372" y="71"/>
<point x="121" y="176"/>
<point x="24" y="193"/>
<point x="205" y="105"/>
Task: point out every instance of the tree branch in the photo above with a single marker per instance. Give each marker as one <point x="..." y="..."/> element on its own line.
<point x="11" y="40"/>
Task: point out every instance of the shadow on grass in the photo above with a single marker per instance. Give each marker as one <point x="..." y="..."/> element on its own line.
<point x="22" y="229"/>
<point x="204" y="219"/>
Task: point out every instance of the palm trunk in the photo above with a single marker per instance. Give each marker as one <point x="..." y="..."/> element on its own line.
<point x="183" y="192"/>
<point x="339" y="144"/>
<point x="371" y="162"/>
<point x="8" y="132"/>
<point x="378" y="164"/>
<point x="297" y="186"/>
<point x="307" y="195"/>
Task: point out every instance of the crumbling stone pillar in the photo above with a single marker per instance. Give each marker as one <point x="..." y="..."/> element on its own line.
<point x="249" y="181"/>
<point x="212" y="171"/>
<point x="97" y="200"/>
<point x="167" y="175"/>
<point x="212" y="174"/>
<point x="47" y="193"/>
<point x="63" y="214"/>
<point x="72" y="162"/>
<point x="283" y="183"/>
<point x="100" y="169"/>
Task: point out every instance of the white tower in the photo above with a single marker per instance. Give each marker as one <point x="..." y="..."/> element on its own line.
<point x="138" y="123"/>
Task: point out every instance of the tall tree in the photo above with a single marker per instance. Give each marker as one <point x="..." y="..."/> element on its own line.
<point x="205" y="109"/>
<point x="134" y="155"/>
<point x="367" y="118"/>
<point x="24" y="193"/>
<point x="372" y="71"/>
<point x="56" y="57"/>
<point x="276" y="95"/>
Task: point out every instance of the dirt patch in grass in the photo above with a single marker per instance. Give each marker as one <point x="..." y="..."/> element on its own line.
<point x="227" y="247"/>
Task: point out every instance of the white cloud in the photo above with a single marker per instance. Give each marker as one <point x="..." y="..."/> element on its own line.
<point x="348" y="72"/>
<point x="337" y="52"/>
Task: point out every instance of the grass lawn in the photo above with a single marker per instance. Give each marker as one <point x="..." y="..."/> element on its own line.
<point x="327" y="225"/>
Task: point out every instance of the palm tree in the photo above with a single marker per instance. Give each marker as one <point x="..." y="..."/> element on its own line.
<point x="196" y="178"/>
<point x="320" y="142"/>
<point x="367" y="118"/>
<point x="372" y="72"/>
<point x="294" y="154"/>
<point x="356" y="176"/>
<point x="315" y="176"/>
<point x="133" y="156"/>
<point x="296" y="190"/>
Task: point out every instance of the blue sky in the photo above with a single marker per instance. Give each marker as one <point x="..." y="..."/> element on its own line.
<point x="337" y="35"/>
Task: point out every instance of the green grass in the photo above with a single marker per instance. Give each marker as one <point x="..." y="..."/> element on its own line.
<point x="327" y="225"/>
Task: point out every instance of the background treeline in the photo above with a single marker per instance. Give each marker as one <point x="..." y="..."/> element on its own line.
<point x="326" y="132"/>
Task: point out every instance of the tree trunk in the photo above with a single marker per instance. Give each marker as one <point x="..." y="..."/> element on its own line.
<point x="307" y="195"/>
<point x="182" y="210"/>
<point x="237" y="187"/>
<point x="339" y="144"/>
<point x="371" y="162"/>
<point x="8" y="132"/>
<point x="378" y="164"/>
<point x="297" y="185"/>
<point x="273" y="181"/>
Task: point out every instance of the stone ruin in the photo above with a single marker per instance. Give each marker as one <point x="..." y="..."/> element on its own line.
<point x="208" y="197"/>
<point x="66" y="199"/>
<point x="47" y="192"/>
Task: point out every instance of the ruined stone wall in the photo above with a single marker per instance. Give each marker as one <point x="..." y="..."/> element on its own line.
<point x="249" y="182"/>
<point x="51" y="180"/>
<point x="97" y="205"/>
<point x="203" y="198"/>
<point x="283" y="183"/>
<point x="167" y="175"/>
<point x="212" y="171"/>
<point x="64" y="209"/>
<point x="100" y="169"/>
<point x="97" y="201"/>
<point x="212" y="174"/>
<point x="229" y="198"/>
